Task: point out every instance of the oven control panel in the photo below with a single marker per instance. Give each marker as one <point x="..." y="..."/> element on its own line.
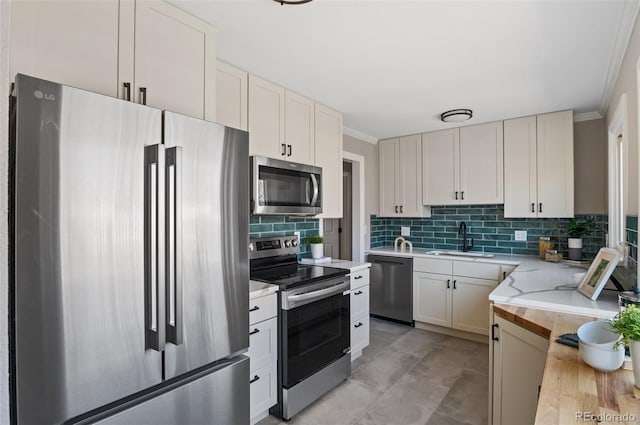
<point x="273" y="246"/>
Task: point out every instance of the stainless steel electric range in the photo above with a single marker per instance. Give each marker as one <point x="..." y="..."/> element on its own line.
<point x="313" y="322"/>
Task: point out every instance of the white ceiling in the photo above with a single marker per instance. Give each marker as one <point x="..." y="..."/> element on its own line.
<point x="391" y="67"/>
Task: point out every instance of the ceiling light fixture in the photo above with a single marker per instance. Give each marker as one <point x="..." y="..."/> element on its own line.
<point x="283" y="2"/>
<point x="456" y="115"/>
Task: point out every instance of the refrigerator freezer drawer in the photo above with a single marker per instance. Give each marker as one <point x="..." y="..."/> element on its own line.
<point x="218" y="397"/>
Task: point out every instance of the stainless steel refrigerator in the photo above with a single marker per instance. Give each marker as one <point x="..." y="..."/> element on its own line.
<point x="130" y="267"/>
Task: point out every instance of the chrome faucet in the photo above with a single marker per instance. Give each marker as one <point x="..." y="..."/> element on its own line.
<point x="463" y="230"/>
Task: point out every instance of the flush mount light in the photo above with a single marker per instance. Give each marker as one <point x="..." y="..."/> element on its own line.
<point x="283" y="2"/>
<point x="456" y="115"/>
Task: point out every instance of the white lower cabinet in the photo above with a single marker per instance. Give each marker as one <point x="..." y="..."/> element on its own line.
<point x="263" y="355"/>
<point x="453" y="294"/>
<point x="359" y="312"/>
<point x="518" y="358"/>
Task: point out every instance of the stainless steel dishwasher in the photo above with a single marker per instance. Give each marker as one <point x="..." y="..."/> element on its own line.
<point x="391" y="287"/>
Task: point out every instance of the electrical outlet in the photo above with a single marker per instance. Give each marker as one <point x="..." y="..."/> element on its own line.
<point x="521" y="235"/>
<point x="405" y="231"/>
<point x="297" y="234"/>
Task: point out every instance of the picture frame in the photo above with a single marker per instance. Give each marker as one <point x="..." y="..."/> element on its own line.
<point x="599" y="272"/>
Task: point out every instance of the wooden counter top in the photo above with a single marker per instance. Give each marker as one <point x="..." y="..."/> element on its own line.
<point x="570" y="387"/>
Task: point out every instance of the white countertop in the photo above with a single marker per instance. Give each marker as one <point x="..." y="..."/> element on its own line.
<point x="534" y="283"/>
<point x="352" y="266"/>
<point x="261" y="289"/>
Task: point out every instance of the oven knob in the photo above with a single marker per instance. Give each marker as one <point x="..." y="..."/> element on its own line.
<point x="294" y="242"/>
<point x="287" y="243"/>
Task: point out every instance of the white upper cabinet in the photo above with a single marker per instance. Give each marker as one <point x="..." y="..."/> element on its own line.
<point x="73" y="43"/>
<point x="401" y="177"/>
<point x="231" y="96"/>
<point x="299" y="133"/>
<point x="281" y="123"/>
<point x="538" y="162"/>
<point x="266" y="119"/>
<point x="463" y="165"/>
<point x="144" y="51"/>
<point x="328" y="155"/>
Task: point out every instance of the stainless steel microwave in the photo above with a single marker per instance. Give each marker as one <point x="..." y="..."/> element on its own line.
<point x="285" y="188"/>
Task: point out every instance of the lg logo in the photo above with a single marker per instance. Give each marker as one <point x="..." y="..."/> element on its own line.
<point x="41" y="95"/>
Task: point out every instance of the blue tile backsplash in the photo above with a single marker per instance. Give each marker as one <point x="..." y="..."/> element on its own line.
<point x="489" y="229"/>
<point x="265" y="226"/>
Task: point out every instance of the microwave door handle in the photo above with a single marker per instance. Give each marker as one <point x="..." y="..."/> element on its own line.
<point x="315" y="189"/>
<point x="307" y="190"/>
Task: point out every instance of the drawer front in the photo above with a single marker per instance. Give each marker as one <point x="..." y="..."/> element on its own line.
<point x="263" y="340"/>
<point x="477" y="270"/>
<point x="359" y="278"/>
<point x="359" y="333"/>
<point x="360" y="301"/>
<point x="262" y="389"/>
<point x="263" y="308"/>
<point x="429" y="265"/>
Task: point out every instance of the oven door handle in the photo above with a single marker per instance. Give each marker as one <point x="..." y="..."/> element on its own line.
<point x="319" y="294"/>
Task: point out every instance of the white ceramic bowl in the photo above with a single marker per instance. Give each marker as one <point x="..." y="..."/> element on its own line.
<point x="596" y="341"/>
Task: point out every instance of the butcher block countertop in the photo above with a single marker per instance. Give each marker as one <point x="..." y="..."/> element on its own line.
<point x="570" y="387"/>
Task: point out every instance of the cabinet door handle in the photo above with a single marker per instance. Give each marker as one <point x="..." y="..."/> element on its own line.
<point x="284" y="149"/>
<point x="127" y="91"/>
<point x="456" y="195"/>
<point x="462" y="195"/>
<point x="533" y="207"/>
<point x="357" y="325"/>
<point x="493" y="332"/>
<point x="448" y="283"/>
<point x="289" y="147"/>
<point x="454" y="284"/>
<point x="254" y="308"/>
<point x="358" y="277"/>
<point x="143" y="95"/>
<point x="255" y="331"/>
<point x="401" y="209"/>
<point x="255" y="378"/>
<point x="396" y="209"/>
<point x="504" y="275"/>
<point x="358" y="293"/>
<point x="540" y="207"/>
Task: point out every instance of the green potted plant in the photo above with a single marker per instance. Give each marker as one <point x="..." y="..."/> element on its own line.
<point x="575" y="231"/>
<point x="317" y="248"/>
<point x="627" y="324"/>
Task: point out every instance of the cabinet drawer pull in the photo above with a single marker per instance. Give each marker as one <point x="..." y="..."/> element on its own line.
<point x="448" y="283"/>
<point x="255" y="331"/>
<point x="493" y="332"/>
<point x="358" y="293"/>
<point x="254" y="308"/>
<point x="357" y="325"/>
<point x="255" y="378"/>
<point x="143" y="95"/>
<point x="358" y="277"/>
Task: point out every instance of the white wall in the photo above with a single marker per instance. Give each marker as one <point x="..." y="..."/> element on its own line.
<point x="5" y="12"/>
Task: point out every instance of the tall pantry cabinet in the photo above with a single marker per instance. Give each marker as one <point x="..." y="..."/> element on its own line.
<point x="145" y="51"/>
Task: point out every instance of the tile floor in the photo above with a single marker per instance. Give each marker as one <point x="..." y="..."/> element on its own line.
<point x="407" y="376"/>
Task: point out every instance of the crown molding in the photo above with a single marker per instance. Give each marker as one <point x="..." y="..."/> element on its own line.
<point x="359" y="135"/>
<point x="587" y="116"/>
<point x="625" y="28"/>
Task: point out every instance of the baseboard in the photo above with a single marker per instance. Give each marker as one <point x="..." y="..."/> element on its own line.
<point x="453" y="332"/>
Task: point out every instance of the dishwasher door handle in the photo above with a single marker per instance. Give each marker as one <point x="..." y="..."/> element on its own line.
<point x="376" y="261"/>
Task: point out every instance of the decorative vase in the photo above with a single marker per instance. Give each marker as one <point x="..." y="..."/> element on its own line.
<point x="317" y="250"/>
<point x="575" y="249"/>
<point x="634" y="351"/>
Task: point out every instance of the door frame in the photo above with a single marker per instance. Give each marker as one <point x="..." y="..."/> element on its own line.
<point x="357" y="204"/>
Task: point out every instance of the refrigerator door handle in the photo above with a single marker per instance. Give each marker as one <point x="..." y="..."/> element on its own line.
<point x="174" y="245"/>
<point x="154" y="230"/>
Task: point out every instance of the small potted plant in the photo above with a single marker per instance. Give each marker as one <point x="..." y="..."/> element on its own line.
<point x="317" y="248"/>
<point x="627" y="324"/>
<point x="575" y="231"/>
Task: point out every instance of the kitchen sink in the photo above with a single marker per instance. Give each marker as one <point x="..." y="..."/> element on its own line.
<point x="461" y="254"/>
